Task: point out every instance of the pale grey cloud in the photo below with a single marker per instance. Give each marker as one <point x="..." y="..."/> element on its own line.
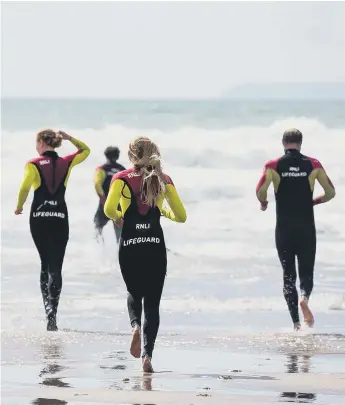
<point x="167" y="49"/>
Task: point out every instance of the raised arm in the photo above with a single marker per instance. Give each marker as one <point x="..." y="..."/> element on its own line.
<point x="263" y="185"/>
<point x="82" y="153"/>
<point x="113" y="199"/>
<point x="30" y="175"/>
<point x="177" y="210"/>
<point x="326" y="184"/>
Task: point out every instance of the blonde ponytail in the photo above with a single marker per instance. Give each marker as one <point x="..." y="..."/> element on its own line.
<point x="145" y="156"/>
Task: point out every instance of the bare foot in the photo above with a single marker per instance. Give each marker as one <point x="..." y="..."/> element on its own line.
<point x="296" y="326"/>
<point x="147" y="366"/>
<point x="308" y="316"/>
<point x="135" y="349"/>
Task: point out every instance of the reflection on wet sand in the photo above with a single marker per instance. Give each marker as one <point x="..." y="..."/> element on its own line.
<point x="48" y="401"/>
<point x="298" y="364"/>
<point x="51" y="353"/>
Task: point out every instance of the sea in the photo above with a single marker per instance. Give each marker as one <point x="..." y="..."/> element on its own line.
<point x="222" y="309"/>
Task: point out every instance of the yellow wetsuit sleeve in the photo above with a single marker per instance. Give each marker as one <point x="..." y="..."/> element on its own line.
<point x="263" y="185"/>
<point x="177" y="211"/>
<point x="31" y="176"/>
<point x="83" y="151"/>
<point x="98" y="181"/>
<point x="113" y="199"/>
<point x="326" y="184"/>
<point x="78" y="157"/>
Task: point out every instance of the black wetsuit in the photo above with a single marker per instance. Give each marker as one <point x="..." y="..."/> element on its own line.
<point x="295" y="227"/>
<point x="143" y="263"/>
<point x="100" y="219"/>
<point x="49" y="225"/>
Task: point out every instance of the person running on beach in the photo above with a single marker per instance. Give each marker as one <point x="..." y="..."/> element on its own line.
<point x="48" y="175"/>
<point x="102" y="181"/>
<point x="141" y="191"/>
<point x="293" y="176"/>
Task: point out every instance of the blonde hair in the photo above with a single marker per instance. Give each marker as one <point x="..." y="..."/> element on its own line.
<point x="146" y="158"/>
<point x="50" y="138"/>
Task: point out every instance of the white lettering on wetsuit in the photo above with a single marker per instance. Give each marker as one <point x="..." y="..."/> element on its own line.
<point x="140" y="240"/>
<point x="44" y="162"/>
<point x="48" y="214"/>
<point x="142" y="226"/>
<point x="134" y="174"/>
<point x="50" y="202"/>
<point x="294" y="172"/>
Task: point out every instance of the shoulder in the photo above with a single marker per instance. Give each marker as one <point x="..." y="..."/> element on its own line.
<point x="315" y="162"/>
<point x="120" y="167"/>
<point x="34" y="160"/>
<point x="272" y="164"/>
<point x="39" y="161"/>
<point x="100" y="167"/>
<point x="125" y="174"/>
<point x="168" y="179"/>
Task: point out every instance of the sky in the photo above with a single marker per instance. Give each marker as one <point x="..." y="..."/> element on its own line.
<point x="166" y="49"/>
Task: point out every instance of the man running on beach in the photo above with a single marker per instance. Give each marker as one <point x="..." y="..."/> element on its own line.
<point x="102" y="180"/>
<point x="293" y="176"/>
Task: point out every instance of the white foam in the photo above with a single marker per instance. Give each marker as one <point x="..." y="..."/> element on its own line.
<point x="216" y="173"/>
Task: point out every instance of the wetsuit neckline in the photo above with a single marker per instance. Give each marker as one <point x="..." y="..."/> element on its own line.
<point x="292" y="152"/>
<point x="50" y="153"/>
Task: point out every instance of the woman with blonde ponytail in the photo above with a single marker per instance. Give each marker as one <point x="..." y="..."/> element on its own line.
<point x="142" y="252"/>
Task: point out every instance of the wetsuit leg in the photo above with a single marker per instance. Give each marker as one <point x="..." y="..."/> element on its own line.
<point x="285" y="244"/>
<point x="57" y="256"/>
<point x="134" y="283"/>
<point x="306" y="250"/>
<point x="152" y="300"/>
<point x="50" y="238"/>
<point x="100" y="219"/>
<point x="43" y="251"/>
<point x="118" y="232"/>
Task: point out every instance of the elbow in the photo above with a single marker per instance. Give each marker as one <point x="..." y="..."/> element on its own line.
<point x="182" y="218"/>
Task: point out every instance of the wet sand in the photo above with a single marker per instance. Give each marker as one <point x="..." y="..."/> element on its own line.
<point x="70" y="367"/>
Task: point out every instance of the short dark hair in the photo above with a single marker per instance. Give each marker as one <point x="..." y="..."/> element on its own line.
<point x="112" y="152"/>
<point x="292" y="135"/>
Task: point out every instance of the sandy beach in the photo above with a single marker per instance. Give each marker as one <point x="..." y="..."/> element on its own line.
<point x="88" y="368"/>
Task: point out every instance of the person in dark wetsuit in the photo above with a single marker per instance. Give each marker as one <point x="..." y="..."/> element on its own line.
<point x="142" y="252"/>
<point x="102" y="180"/>
<point x="293" y="176"/>
<point x="48" y="175"/>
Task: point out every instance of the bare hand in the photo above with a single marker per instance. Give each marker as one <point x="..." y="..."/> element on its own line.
<point x="18" y="212"/>
<point x="119" y="223"/>
<point x="64" y="136"/>
<point x="263" y="206"/>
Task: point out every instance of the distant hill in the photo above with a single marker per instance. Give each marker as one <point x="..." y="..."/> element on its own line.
<point x="285" y="91"/>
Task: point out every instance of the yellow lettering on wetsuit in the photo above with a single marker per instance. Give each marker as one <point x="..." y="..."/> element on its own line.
<point x="32" y="177"/>
<point x="176" y="212"/>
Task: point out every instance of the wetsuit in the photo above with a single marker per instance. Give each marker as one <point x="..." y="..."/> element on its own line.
<point x="142" y="252"/>
<point x="293" y="176"/>
<point x="48" y="174"/>
<point x="102" y="180"/>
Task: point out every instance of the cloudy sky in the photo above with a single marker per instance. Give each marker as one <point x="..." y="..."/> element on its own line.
<point x="194" y="49"/>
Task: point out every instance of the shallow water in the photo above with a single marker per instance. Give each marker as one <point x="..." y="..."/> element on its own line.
<point x="222" y="306"/>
